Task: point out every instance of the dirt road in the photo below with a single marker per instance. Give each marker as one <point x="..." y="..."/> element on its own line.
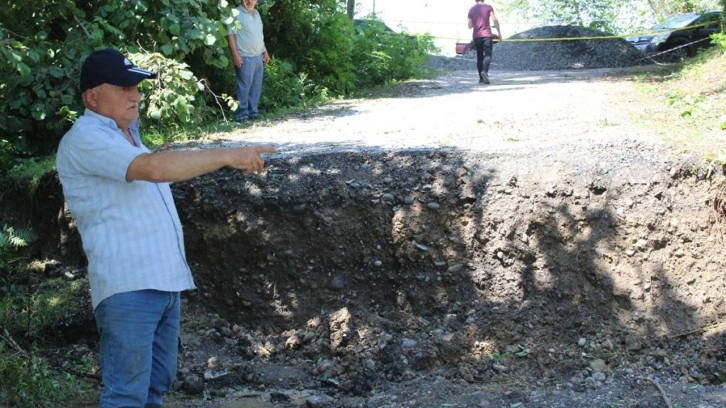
<point x="518" y="111"/>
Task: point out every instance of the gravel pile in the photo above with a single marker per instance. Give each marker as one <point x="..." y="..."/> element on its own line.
<point x="554" y="55"/>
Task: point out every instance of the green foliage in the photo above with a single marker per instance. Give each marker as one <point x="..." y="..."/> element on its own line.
<point x="719" y="159"/>
<point x="382" y="56"/>
<point x="613" y="16"/>
<point x="715" y="164"/>
<point x="30" y="316"/>
<point x="171" y="97"/>
<point x="35" y="94"/>
<point x="32" y="383"/>
<point x="27" y="172"/>
<point x="7" y="155"/>
<point x="593" y="14"/>
<point x="283" y="88"/>
<point x="42" y="53"/>
<point x="688" y="104"/>
<point x="719" y="39"/>
<point x="35" y="314"/>
<point x="12" y="240"/>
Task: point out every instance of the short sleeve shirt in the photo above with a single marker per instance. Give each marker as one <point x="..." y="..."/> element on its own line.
<point x="131" y="232"/>
<point x="479" y="15"/>
<point x="249" y="39"/>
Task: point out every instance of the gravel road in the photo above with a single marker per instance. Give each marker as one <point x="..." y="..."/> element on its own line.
<point x="518" y="111"/>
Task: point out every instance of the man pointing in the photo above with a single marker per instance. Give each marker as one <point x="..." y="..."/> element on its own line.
<point x="118" y="192"/>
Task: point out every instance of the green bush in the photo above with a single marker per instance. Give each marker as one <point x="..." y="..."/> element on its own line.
<point x="25" y="173"/>
<point x="42" y="53"/>
<point x="719" y="39"/>
<point x="381" y="56"/>
<point x="283" y="88"/>
<point x="37" y="99"/>
<point x="171" y="97"/>
<point x="12" y="240"/>
<point x="28" y="381"/>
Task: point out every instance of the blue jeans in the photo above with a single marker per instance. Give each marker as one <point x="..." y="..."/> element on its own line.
<point x="139" y="346"/>
<point x="249" y="87"/>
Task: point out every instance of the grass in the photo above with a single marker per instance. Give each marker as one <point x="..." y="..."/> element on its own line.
<point x="27" y="172"/>
<point x="686" y="104"/>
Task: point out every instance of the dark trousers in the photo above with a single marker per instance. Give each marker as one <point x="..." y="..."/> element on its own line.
<point x="483" y="46"/>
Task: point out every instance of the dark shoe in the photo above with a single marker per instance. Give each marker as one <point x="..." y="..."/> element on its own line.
<point x="241" y="119"/>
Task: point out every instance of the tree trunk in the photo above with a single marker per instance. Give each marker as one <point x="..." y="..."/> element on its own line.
<point x="351" y="9"/>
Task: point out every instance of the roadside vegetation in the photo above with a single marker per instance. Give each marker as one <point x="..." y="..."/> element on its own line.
<point x="42" y="44"/>
<point x="686" y="105"/>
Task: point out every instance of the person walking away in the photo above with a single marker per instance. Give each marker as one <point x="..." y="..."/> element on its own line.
<point x="118" y="192"/>
<point x="249" y="55"/>
<point x="481" y="21"/>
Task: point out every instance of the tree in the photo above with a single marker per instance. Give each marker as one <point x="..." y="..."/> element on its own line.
<point x="351" y="9"/>
<point x="43" y="42"/>
<point x="602" y="14"/>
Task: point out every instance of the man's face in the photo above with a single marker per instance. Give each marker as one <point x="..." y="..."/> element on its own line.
<point x="116" y="102"/>
<point x="249" y="4"/>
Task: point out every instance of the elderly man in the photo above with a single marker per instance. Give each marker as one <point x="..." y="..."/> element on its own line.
<point x="249" y="55"/>
<point x="118" y="191"/>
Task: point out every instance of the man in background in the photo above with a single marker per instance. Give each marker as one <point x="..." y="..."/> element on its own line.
<point x="481" y="21"/>
<point x="249" y="55"/>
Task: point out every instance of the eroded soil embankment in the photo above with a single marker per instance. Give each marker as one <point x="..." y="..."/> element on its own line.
<point x="540" y="255"/>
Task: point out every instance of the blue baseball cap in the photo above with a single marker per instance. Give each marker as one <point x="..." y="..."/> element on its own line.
<point x="108" y="66"/>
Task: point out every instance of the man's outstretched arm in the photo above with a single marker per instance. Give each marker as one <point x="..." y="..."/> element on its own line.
<point x="180" y="165"/>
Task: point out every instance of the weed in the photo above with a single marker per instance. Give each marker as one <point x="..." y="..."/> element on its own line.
<point x="688" y="104"/>
<point x="523" y="351"/>
<point x="34" y="383"/>
<point x="606" y="122"/>
<point x="11" y="241"/>
<point x="715" y="164"/>
<point x="719" y="39"/>
<point x="27" y="172"/>
<point x="500" y="356"/>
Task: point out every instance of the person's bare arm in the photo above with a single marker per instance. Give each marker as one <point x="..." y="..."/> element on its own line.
<point x="236" y="59"/>
<point x="495" y="24"/>
<point x="471" y="24"/>
<point x="179" y="165"/>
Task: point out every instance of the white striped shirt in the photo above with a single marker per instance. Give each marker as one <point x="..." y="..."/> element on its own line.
<point x="131" y="231"/>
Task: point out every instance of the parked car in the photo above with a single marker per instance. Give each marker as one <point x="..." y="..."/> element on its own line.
<point x="679" y="36"/>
